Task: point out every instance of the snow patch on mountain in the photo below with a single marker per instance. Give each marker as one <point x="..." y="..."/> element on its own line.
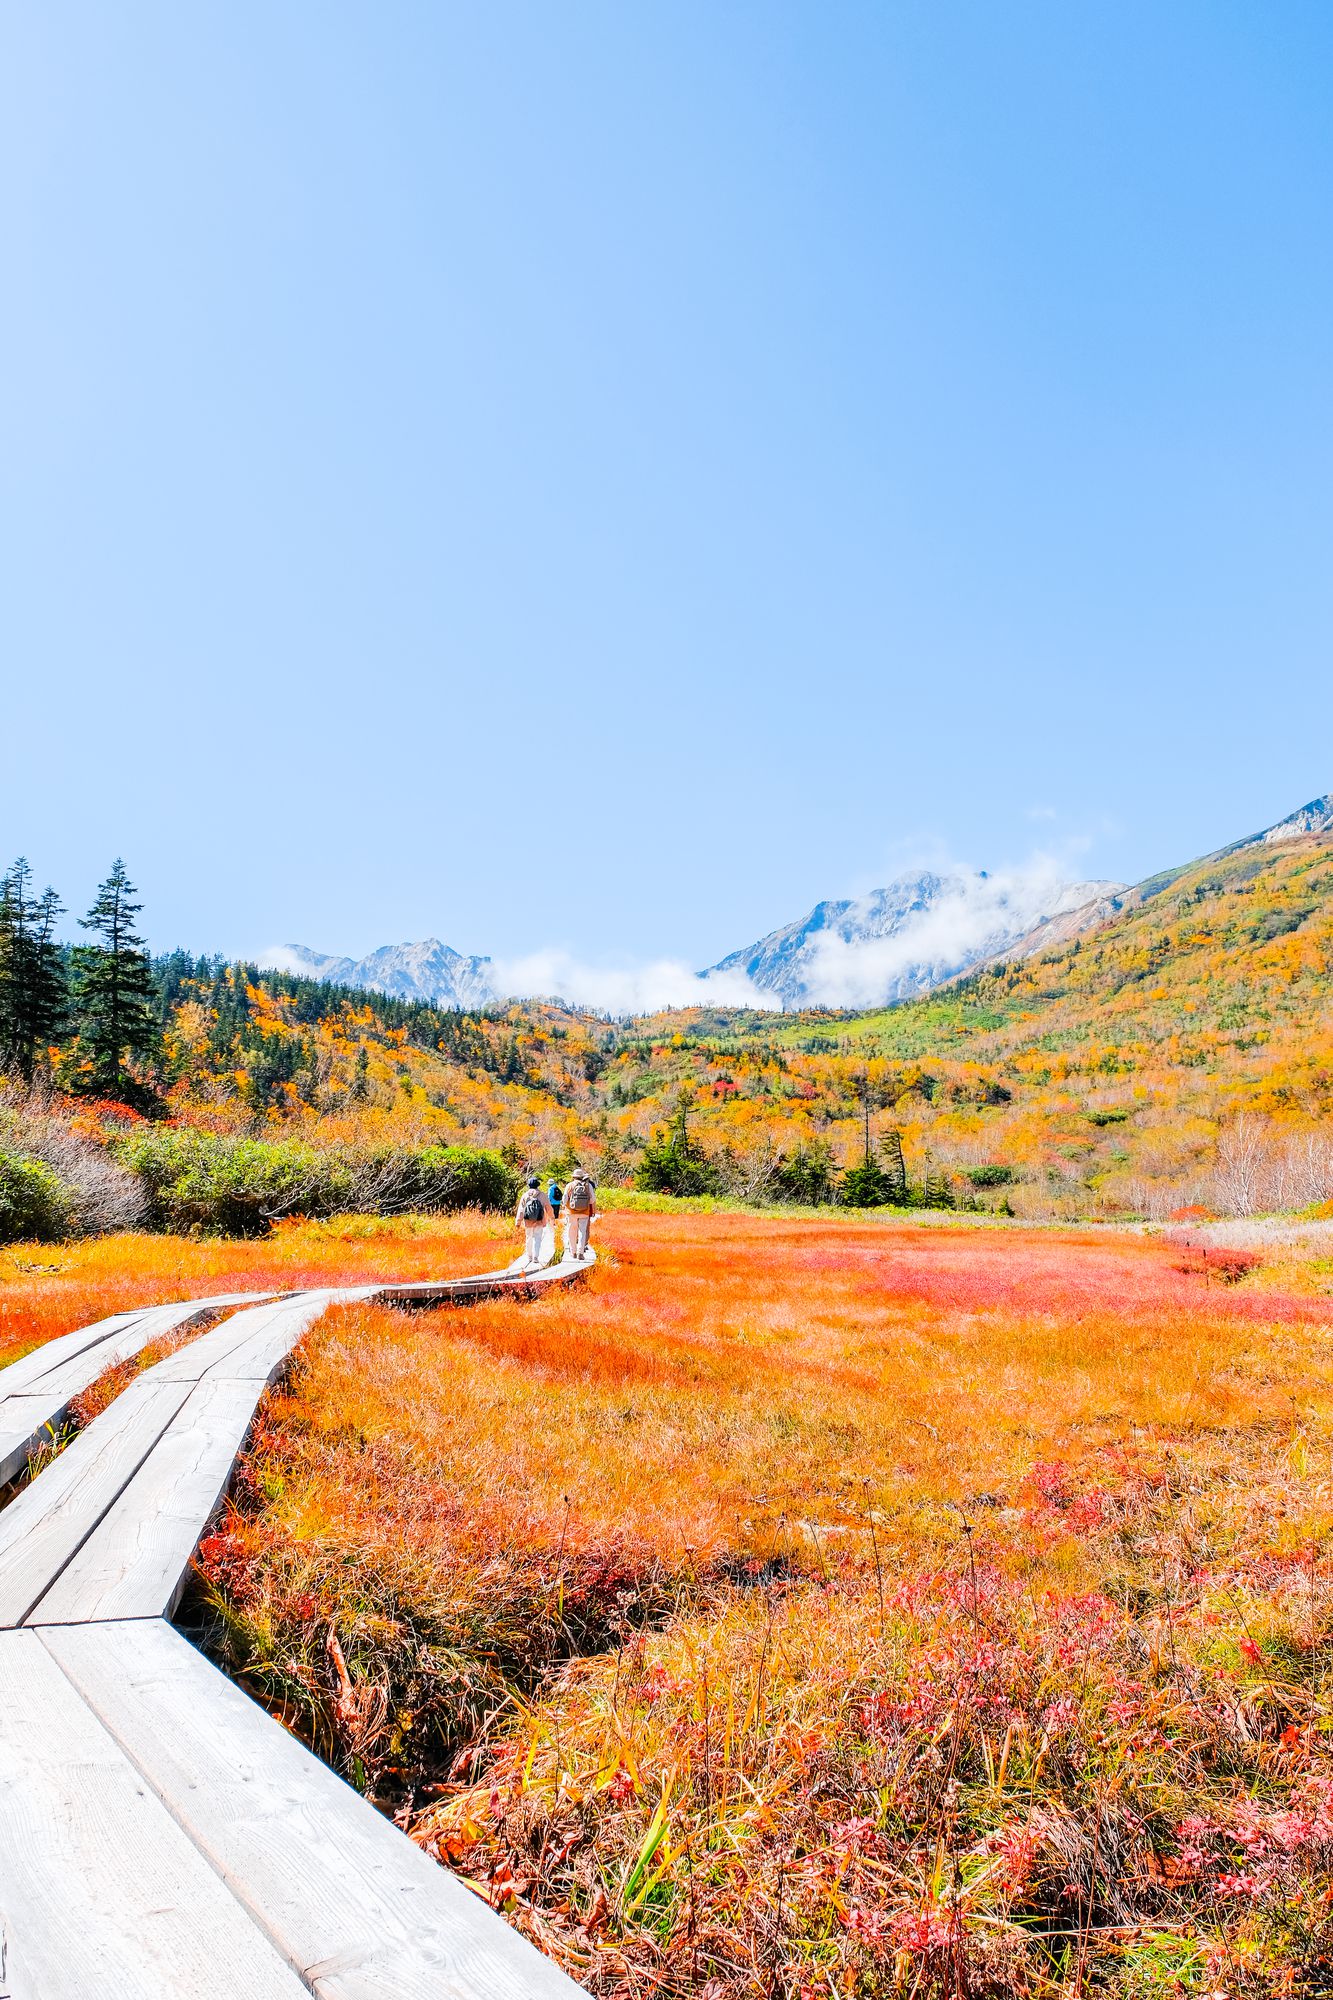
<point x="428" y="971"/>
<point x="901" y="940"/>
<point x="891" y="944"/>
<point x="434" y="972"/>
<point x="1316" y="817"/>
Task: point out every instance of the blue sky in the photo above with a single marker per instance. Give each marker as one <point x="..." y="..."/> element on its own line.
<point x="603" y="477"/>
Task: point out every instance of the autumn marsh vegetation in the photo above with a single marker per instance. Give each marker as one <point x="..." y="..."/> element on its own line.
<point x="822" y="1607"/>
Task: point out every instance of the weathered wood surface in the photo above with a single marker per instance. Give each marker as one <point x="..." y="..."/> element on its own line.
<point x="515" y="1280"/>
<point x="346" y="1897"/>
<point x="103" y="1892"/>
<point x="250" y="1343"/>
<point x="21" y="1375"/>
<point x="37" y="1390"/>
<point x="135" y="1561"/>
<point x="161" y="1838"/>
<point x="26" y="1424"/>
<point x="46" y="1524"/>
<point x="125" y="1554"/>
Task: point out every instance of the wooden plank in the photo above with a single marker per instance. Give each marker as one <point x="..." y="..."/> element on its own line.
<point x="26" y="1422"/>
<point x="61" y="1380"/>
<point x="565" y="1270"/>
<point x="134" y="1563"/>
<point x="344" y="1894"/>
<point x="49" y="1521"/>
<point x="253" y="1343"/>
<point x="20" y="1376"/>
<point x="27" y="1374"/>
<point x="264" y="1355"/>
<point x="104" y="1893"/>
<point x="71" y="1377"/>
<point x="428" y="1292"/>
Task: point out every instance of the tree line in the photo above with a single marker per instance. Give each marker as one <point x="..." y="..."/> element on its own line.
<point x="90" y="1017"/>
<point x="808" y="1175"/>
<point x="85" y="1013"/>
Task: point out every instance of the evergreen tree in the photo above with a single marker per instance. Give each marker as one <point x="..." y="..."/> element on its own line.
<point x="865" y="1186"/>
<point x="895" y="1167"/>
<point x="114" y="995"/>
<point x="672" y="1166"/>
<point x="33" y="996"/>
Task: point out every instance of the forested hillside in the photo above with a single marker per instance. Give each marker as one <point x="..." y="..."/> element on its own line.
<point x="1184" y="1052"/>
<point x="1180" y="1056"/>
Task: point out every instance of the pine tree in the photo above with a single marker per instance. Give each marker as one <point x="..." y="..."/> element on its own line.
<point x="114" y="995"/>
<point x="33" y="997"/>
<point x="895" y="1167"/>
<point x="865" y="1186"/>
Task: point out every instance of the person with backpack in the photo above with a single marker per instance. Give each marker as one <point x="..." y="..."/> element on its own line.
<point x="534" y="1216"/>
<point x="580" y="1206"/>
<point x="555" y="1194"/>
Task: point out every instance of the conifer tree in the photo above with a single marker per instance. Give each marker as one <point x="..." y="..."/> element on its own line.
<point x="33" y="998"/>
<point x="114" y="994"/>
<point x="895" y="1167"/>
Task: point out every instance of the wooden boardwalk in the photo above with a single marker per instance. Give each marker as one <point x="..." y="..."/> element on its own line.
<point x="161" y="1836"/>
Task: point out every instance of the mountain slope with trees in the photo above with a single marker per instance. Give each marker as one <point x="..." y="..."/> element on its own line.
<point x="1178" y="1057"/>
<point x="1181" y="1053"/>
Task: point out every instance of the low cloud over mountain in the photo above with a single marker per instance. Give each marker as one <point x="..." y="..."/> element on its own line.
<point x="919" y="931"/>
<point x="426" y="971"/>
<point x="893" y="943"/>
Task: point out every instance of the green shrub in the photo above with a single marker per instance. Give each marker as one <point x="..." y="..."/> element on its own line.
<point x="672" y="1168"/>
<point x="472" y="1177"/>
<point x="991" y="1176"/>
<point x="34" y="1202"/>
<point x="433" y="1178"/>
<point x="806" y="1175"/>
<point x="866" y="1186"/>
<point x="213" y="1183"/>
<point x="210" y="1183"/>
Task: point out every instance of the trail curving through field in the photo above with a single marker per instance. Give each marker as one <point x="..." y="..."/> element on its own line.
<point x="161" y="1836"/>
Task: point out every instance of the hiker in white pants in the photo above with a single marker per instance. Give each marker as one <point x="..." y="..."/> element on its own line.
<point x="534" y="1216"/>
<point x="579" y="1207"/>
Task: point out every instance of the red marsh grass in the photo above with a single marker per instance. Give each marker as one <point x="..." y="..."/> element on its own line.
<point x="809" y="1607"/>
<point x="49" y="1288"/>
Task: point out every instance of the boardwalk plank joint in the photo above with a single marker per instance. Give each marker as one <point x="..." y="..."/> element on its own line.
<point x="161" y="1836"/>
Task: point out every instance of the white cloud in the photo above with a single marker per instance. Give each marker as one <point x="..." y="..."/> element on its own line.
<point x="286" y="958"/>
<point x="975" y="917"/>
<point x="632" y="989"/>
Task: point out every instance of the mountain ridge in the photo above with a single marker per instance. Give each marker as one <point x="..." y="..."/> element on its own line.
<point x="426" y="970"/>
<point x="895" y="943"/>
<point x="912" y="935"/>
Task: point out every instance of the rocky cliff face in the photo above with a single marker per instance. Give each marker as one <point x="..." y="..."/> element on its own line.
<point x="1316" y="817"/>
<point x="901" y="940"/>
<point x="892" y="944"/>
<point x="426" y="971"/>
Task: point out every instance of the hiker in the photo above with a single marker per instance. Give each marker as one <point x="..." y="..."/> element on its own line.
<point x="534" y="1216"/>
<point x="580" y="1206"/>
<point x="555" y="1194"/>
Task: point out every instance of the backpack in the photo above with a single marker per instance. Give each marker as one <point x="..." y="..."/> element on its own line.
<point x="532" y="1210"/>
<point x="578" y="1197"/>
<point x="555" y="1194"/>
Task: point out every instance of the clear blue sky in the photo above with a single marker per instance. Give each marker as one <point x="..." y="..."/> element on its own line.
<point x="762" y="441"/>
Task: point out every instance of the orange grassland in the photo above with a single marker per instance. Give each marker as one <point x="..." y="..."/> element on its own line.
<point x="802" y="1607"/>
<point x="809" y="1607"/>
<point x="48" y="1288"/>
